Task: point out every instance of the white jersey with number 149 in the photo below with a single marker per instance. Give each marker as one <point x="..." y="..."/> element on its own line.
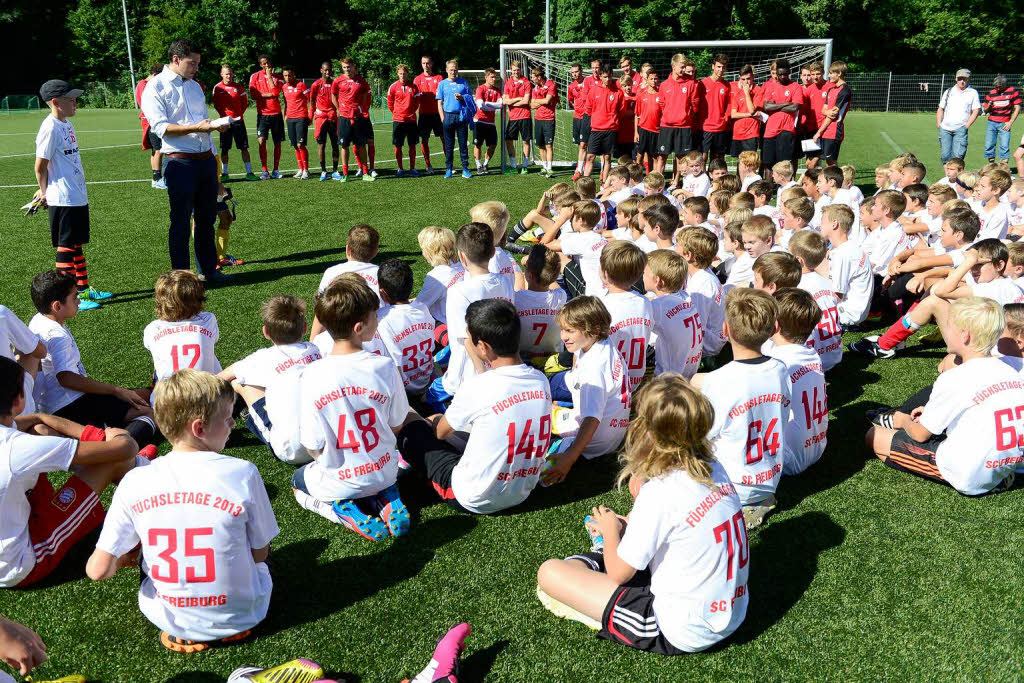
<point x="181" y="344"/>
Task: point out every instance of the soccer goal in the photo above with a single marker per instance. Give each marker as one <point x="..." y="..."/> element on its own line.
<point x="15" y="103"/>
<point x="558" y="58"/>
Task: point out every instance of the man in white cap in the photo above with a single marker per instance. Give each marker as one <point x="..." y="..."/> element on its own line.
<point x="959" y="106"/>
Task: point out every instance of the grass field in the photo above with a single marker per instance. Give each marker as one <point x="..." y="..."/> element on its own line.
<point x="862" y="573"/>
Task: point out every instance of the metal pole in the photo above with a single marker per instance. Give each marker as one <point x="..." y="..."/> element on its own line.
<point x="501" y="117"/>
<point x="128" y="41"/>
<point x="828" y="55"/>
<point x="888" y="92"/>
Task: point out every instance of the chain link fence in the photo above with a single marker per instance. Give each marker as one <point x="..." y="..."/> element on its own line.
<point x="912" y="92"/>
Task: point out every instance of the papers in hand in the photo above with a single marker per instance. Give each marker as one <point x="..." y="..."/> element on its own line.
<point x="810" y="145"/>
<point x="223" y="121"/>
<point x="763" y="116"/>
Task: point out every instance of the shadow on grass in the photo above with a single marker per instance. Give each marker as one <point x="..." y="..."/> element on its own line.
<point x="196" y="677"/>
<point x="479" y="664"/>
<point x="588" y="478"/>
<point x="308" y="267"/>
<point x="783" y="562"/>
<point x="305" y="590"/>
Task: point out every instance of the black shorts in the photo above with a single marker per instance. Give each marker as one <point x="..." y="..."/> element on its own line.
<point x="69" y="225"/>
<point x="236" y="134"/>
<point x="485" y="134"/>
<point x="353" y="131"/>
<point x="520" y="128"/>
<point x="544" y="132"/>
<point x="432" y="457"/>
<point x="404" y="132"/>
<point x="623" y="149"/>
<point x="648" y="143"/>
<point x="364" y="131"/>
<point x="830" y="149"/>
<point x="98" y="410"/>
<point x="297" y="130"/>
<point x="677" y="141"/>
<point x="155" y="141"/>
<point x="601" y="142"/>
<point x="748" y="145"/>
<point x="270" y="125"/>
<point x="908" y="455"/>
<point x="716" y="143"/>
<point x="580" y="130"/>
<point x="324" y="128"/>
<point x="781" y="147"/>
<point x="430" y="123"/>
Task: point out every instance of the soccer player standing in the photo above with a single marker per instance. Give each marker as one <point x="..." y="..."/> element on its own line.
<point x="150" y="140"/>
<point x="543" y="98"/>
<point x="325" y="119"/>
<point x="782" y="99"/>
<point x="265" y="90"/>
<point x="488" y="101"/>
<point x="403" y="97"/>
<point x="648" y="121"/>
<point x="430" y="120"/>
<point x="346" y="94"/>
<point x="296" y="99"/>
<point x="677" y="98"/>
<point x="518" y="123"/>
<point x="714" y="110"/>
<point x="576" y="97"/>
<point x="230" y="99"/>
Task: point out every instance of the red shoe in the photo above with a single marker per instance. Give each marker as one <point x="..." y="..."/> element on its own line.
<point x="576" y="176"/>
<point x="149" y="452"/>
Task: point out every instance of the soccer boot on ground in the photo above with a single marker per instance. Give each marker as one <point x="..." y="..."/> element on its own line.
<point x="265" y="175"/>
<point x="393" y="511"/>
<point x="88" y="304"/>
<point x="298" y="174"/>
<point x="251" y="176"/>
<point x="295" y="671"/>
<point x="335" y="175"/>
<point x="94" y="294"/>
<point x="351" y="516"/>
<point x="185" y="646"/>
<point x="868" y="346"/>
<point x="563" y="611"/>
<point x="444" y="664"/>
<point x="275" y="174"/>
<point x="159" y="184"/>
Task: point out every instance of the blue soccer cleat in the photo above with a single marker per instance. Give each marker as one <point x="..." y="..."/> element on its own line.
<point x="367" y="526"/>
<point x="393" y="511"/>
<point x="448" y="173"/>
<point x="335" y="175"/>
<point x="466" y="174"/>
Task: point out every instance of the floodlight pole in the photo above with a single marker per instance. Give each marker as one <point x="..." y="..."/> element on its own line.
<point x="547" y="37"/>
<point x="128" y="41"/>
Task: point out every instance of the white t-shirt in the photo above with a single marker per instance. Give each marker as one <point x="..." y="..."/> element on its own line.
<point x="16" y="337"/>
<point x="748" y="181"/>
<point x="471" y="288"/>
<point x="706" y="293"/>
<point x="621" y="195"/>
<point x="994" y="223"/>
<point x="752" y="405"/>
<point x="645" y="244"/>
<point x="198" y="517"/>
<point x="827" y="339"/>
<point x="179" y="344"/>
<point x="23" y="457"/>
<point x="65" y="177"/>
<point x="586" y="247"/>
<point x="507" y="412"/>
<point x="1003" y="289"/>
<point x="957" y="106"/>
<point x="632" y="319"/>
<point x="407" y="332"/>
<point x="436" y="284"/>
<point x="742" y="272"/>
<point x="62" y="355"/>
<point x="819" y="206"/>
<point x="678" y="335"/>
<point x="350" y="406"/>
<point x="778" y="194"/>
<point x="1016" y="213"/>
<point x="697" y="185"/>
<point x="693" y="540"/>
<point x="600" y="388"/>
<point x="503" y="264"/>
<point x="367" y="271"/>
<point x="807" y="429"/>
<point x="851" y="276"/>
<point x="978" y="406"/>
<point x="885" y="243"/>
<point x="538" y="324"/>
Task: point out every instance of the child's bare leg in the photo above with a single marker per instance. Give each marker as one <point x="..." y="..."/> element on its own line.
<point x="249" y="394"/>
<point x="572" y="583"/>
<point x="879" y="441"/>
<point x="99" y="477"/>
<point x="1018" y="155"/>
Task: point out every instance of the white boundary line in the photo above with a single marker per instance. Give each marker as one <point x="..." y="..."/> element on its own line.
<point x="81" y="149"/>
<point x="112" y="130"/>
<point x="892" y="143"/>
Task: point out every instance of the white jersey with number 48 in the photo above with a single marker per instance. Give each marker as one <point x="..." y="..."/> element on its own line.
<point x="176" y="345"/>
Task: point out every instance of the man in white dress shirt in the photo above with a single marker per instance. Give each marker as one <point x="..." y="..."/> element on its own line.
<point x="959" y="107"/>
<point x="176" y="109"/>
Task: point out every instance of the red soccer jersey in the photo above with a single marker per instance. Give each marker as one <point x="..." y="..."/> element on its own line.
<point x="230" y="100"/>
<point x="603" y="105"/>
<point x="266" y="92"/>
<point x="714" y="105"/>
<point x="790" y="93"/>
<point x="427" y="87"/>
<point x="678" y="102"/>
<point x="545" y="112"/>
<point x="837" y="96"/>
<point x="518" y="87"/>
<point x="320" y="96"/>
<point x="648" y="110"/>
<point x="746" y="128"/>
<point x="365" y="102"/>
<point x="486" y="93"/>
<point x="296" y="99"/>
<point x="577" y="98"/>
<point x="403" y="98"/>
<point x="349" y="92"/>
<point x="139" y="87"/>
<point x="627" y="120"/>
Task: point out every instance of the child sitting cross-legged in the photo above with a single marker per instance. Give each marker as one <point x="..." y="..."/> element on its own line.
<point x="538" y="305"/>
<point x="672" y="576"/>
<point x="677" y="333"/>
<point x="183" y="335"/>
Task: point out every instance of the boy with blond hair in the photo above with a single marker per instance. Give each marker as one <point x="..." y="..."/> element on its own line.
<point x="676" y="332"/>
<point x="827" y="339"/>
<point x="747" y="167"/>
<point x="622" y="267"/>
<point x="782" y="176"/>
<point x="696" y="182"/>
<point x="212" y="505"/>
<point x="849" y="266"/>
<point x="698" y="247"/>
<point x="758" y="238"/>
<point x="495" y="215"/>
<point x="797" y="214"/>
<point x="993" y="213"/>
<point x="437" y="245"/>
<point x="584" y="245"/>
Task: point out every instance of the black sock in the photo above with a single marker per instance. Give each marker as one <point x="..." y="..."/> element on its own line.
<point x="157" y="175"/>
<point x="518" y="248"/>
<point x="143" y="430"/>
<point x="517" y="231"/>
<point x="323" y="167"/>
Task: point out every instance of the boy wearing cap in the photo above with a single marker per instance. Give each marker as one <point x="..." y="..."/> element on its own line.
<point x="959" y="106"/>
<point x="62" y="188"/>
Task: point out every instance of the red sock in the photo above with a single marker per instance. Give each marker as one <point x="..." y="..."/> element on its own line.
<point x="298" y="157"/>
<point x="899" y="332"/>
<point x="398" y="158"/>
<point x="425" y="148"/>
<point x="344" y="169"/>
<point x="81" y="272"/>
<point x="263" y="155"/>
<point x="305" y="158"/>
<point x="372" y="151"/>
<point x="412" y="157"/>
<point x="360" y="162"/>
<point x="277" y="157"/>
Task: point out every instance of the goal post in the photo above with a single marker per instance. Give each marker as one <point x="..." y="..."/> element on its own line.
<point x="557" y="58"/>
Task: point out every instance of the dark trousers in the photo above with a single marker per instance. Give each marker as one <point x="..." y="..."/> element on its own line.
<point x="452" y="127"/>
<point x="192" y="191"/>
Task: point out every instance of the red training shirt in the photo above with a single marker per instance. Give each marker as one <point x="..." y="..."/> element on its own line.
<point x="746" y="128"/>
<point x="230" y="100"/>
<point x="266" y="92"/>
<point x="678" y="102"/>
<point x="837" y="96"/>
<point x="427" y="87"/>
<point x="348" y="92"/>
<point x="627" y="119"/>
<point x="139" y="87"/>
<point x="545" y="112"/>
<point x="486" y="93"/>
<point x="714" y="105"/>
<point x="603" y="105"/>
<point x="649" y="111"/>
<point x="790" y="93"/>
<point x="403" y="98"/>
<point x="296" y="99"/>
<point x="577" y="98"/>
<point x="518" y="87"/>
<point x="320" y="96"/>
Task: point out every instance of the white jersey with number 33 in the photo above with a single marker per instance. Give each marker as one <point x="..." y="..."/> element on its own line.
<point x="183" y="344"/>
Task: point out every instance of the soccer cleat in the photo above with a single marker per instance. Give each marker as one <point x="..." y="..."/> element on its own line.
<point x="466" y="174"/>
<point x="225" y="176"/>
<point x="265" y="176"/>
<point x="881" y="417"/>
<point x="413" y="173"/>
<point x="298" y="174"/>
<point x="399" y="173"/>
<point x="252" y="176"/>
<point x="754" y="514"/>
<point x="509" y="171"/>
<point x="87" y="305"/>
<point x="344" y="178"/>
<point x="482" y="170"/>
<point x="373" y="173"/>
<point x="393" y="511"/>
<point x="159" y="184"/>
<point x="359" y="172"/>
<point x="324" y="175"/>
<point x="869" y="347"/>
<point x="523" y="170"/>
<point x="369" y="178"/>
<point x="185" y="646"/>
<point x="232" y="261"/>
<point x="444" y="664"/>
<point x="94" y="294"/>
<point x="305" y="174"/>
<point x="429" y="170"/>
<point x="563" y="611"/>
<point x="933" y="337"/>
<point x="295" y="671"/>
<point x="275" y="174"/>
<point x="448" y="173"/>
<point x="335" y="175"/>
<point x="73" y="678"/>
<point x="367" y="526"/>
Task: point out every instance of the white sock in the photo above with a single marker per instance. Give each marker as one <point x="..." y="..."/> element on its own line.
<point x="427" y="675"/>
<point x="479" y="164"/>
<point x="579" y="166"/>
<point x="315" y="505"/>
<point x="224" y="168"/>
<point x="487" y="160"/>
<point x="248" y="167"/>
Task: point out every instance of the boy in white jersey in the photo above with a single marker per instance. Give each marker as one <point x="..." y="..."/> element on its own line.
<point x="796" y="216"/>
<point x="361" y="247"/>
<point x="698" y="247"/>
<point x="406" y="328"/>
<point x="748" y="163"/>
<point x="676" y="330"/>
<point x="495" y="215"/>
<point x="38" y="524"/>
<point x="64" y="388"/>
<point x="352" y="404"/>
<point x="966" y="435"/>
<point x="538" y="305"/>
<point x="659" y="221"/>
<point x="761" y="191"/>
<point x="597" y="385"/>
<point x="685" y="529"/>
<point x="849" y="193"/>
<point x="16" y="338"/>
<point x="758" y="238"/>
<point x="751" y="400"/>
<point x="827" y="338"/>
<point x="584" y="245"/>
<point x="268" y="380"/>
<point x="505" y="409"/>
<point x="886" y="241"/>
<point x="994" y="214"/>
<point x="809" y="184"/>
<point x="438" y="248"/>
<point x="782" y="176"/>
<point x="849" y="267"/>
<point x="475" y="243"/>
<point x="1015" y="203"/>
<point x="696" y="182"/>
<point x="776" y="270"/>
<point x="914" y="218"/>
<point x="183" y="335"/>
<point x="622" y="267"/>
<point x="806" y="432"/>
<point x="830" y="185"/>
<point x="203" y="520"/>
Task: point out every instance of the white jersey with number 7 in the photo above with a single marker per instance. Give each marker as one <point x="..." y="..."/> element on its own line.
<point x="181" y="344"/>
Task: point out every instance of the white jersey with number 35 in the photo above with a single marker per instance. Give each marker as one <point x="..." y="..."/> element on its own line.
<point x="183" y="344"/>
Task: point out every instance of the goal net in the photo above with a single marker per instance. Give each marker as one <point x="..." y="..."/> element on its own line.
<point x="14" y="103"/>
<point x="558" y="58"/>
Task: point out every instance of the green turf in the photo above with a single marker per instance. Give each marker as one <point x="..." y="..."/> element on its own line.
<point x="862" y="574"/>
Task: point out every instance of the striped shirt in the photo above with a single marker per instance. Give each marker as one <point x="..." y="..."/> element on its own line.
<point x="1001" y="103"/>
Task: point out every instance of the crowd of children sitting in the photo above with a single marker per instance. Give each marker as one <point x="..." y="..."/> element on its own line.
<point x="690" y="328"/>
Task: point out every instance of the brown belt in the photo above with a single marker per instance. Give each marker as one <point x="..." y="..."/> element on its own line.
<point x="195" y="156"/>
